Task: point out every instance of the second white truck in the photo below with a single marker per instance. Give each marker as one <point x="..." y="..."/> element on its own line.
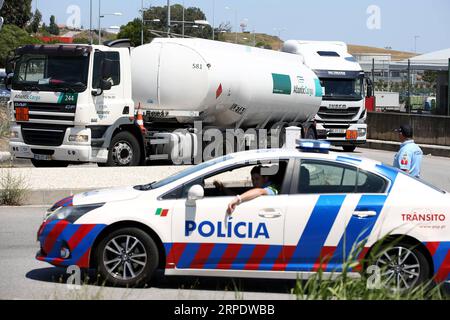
<point x="342" y="114"/>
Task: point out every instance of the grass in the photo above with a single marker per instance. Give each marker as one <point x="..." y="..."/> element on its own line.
<point x="344" y="287"/>
<point x="13" y="188"/>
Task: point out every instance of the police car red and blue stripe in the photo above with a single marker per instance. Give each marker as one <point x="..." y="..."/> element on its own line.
<point x="330" y="208"/>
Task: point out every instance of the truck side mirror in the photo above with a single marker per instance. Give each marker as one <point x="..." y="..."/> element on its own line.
<point x="195" y="193"/>
<point x="369" y="88"/>
<point x="105" y="85"/>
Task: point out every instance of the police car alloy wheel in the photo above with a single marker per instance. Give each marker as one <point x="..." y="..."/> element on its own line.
<point x="127" y="257"/>
<point x="402" y="268"/>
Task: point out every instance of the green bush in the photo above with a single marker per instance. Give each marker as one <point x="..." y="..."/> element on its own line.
<point x="12" y="188"/>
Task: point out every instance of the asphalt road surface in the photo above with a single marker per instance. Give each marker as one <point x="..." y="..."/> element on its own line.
<point x="435" y="170"/>
<point x="23" y="277"/>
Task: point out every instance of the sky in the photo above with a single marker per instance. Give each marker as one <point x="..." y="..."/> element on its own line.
<point x="421" y="25"/>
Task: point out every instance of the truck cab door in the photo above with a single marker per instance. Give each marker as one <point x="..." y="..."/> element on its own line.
<point x="109" y="87"/>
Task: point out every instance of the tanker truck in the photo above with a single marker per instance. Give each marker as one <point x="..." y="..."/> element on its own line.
<point x="168" y="100"/>
<point x="342" y="113"/>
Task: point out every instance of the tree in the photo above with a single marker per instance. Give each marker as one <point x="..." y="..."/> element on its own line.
<point x="133" y="29"/>
<point x="12" y="37"/>
<point x="53" y="27"/>
<point x="430" y="77"/>
<point x="16" y="12"/>
<point x="35" y="22"/>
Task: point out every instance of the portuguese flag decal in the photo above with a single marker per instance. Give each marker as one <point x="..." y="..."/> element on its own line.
<point x="162" y="212"/>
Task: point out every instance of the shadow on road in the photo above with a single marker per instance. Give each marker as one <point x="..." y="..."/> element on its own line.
<point x="238" y="285"/>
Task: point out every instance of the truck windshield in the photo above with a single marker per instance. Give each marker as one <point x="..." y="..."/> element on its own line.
<point x="343" y="89"/>
<point x="51" y="73"/>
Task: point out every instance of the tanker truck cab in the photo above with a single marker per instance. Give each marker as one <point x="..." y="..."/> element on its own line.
<point x="68" y="101"/>
<point x="342" y="114"/>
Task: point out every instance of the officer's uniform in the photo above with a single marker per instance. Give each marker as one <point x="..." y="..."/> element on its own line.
<point x="271" y="189"/>
<point x="409" y="158"/>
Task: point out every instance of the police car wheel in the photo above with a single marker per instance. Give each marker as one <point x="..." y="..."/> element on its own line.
<point x="127" y="257"/>
<point x="124" y="150"/>
<point x="403" y="267"/>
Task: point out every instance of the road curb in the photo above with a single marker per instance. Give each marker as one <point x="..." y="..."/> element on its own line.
<point x="438" y="151"/>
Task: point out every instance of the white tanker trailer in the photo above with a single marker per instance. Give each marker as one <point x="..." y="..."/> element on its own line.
<point x="118" y="106"/>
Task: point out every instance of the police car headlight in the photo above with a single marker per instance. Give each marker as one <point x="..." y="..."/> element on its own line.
<point x="71" y="214"/>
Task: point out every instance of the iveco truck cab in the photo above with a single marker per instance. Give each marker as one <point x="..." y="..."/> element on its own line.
<point x="342" y="114"/>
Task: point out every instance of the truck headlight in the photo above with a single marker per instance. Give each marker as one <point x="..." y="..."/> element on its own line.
<point x="71" y="214"/>
<point x="78" y="138"/>
<point x="362" y="132"/>
<point x="14" y="134"/>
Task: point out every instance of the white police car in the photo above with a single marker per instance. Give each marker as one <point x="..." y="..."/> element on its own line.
<point x="326" y="205"/>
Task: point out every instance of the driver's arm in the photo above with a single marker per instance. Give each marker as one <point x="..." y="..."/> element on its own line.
<point x="247" y="196"/>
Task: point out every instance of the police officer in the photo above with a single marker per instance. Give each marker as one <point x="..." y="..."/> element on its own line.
<point x="409" y="158"/>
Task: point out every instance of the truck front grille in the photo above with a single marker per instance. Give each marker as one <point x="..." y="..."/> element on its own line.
<point x="61" y="113"/>
<point x="334" y="134"/>
<point x="338" y="114"/>
<point x="43" y="135"/>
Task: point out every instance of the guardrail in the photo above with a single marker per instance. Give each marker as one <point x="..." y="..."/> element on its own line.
<point x="428" y="129"/>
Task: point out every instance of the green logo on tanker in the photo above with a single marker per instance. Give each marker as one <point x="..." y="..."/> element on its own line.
<point x="281" y="84"/>
<point x="71" y="98"/>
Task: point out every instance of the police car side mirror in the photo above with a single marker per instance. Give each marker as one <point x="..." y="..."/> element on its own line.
<point x="195" y="193"/>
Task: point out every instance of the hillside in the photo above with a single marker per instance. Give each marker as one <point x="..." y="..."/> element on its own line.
<point x="396" y="55"/>
<point x="275" y="43"/>
<point x="260" y="39"/>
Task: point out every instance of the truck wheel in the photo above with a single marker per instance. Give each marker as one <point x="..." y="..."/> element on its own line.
<point x="124" y="150"/>
<point x="403" y="267"/>
<point x="127" y="257"/>
<point x="349" y="148"/>
<point x="49" y="164"/>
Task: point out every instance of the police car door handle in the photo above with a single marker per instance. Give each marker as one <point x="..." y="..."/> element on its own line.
<point x="364" y="214"/>
<point x="270" y="214"/>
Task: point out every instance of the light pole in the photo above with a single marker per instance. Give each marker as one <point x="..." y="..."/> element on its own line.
<point x="90" y="22"/>
<point x="143" y="20"/>
<point x="213" y="20"/>
<point x="168" y="19"/>
<point x="100" y="16"/>
<point x="235" y="22"/>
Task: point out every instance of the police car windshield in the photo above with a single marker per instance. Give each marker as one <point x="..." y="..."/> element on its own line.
<point x="183" y="174"/>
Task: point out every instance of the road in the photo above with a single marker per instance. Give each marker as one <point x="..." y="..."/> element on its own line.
<point x="23" y="277"/>
<point x="435" y="170"/>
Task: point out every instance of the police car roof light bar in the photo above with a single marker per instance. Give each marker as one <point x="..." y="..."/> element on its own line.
<point x="317" y="146"/>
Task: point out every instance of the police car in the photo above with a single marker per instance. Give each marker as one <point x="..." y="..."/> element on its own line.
<point x="328" y="204"/>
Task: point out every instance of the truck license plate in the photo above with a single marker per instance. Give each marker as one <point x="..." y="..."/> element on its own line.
<point x="42" y="157"/>
<point x="338" y="131"/>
